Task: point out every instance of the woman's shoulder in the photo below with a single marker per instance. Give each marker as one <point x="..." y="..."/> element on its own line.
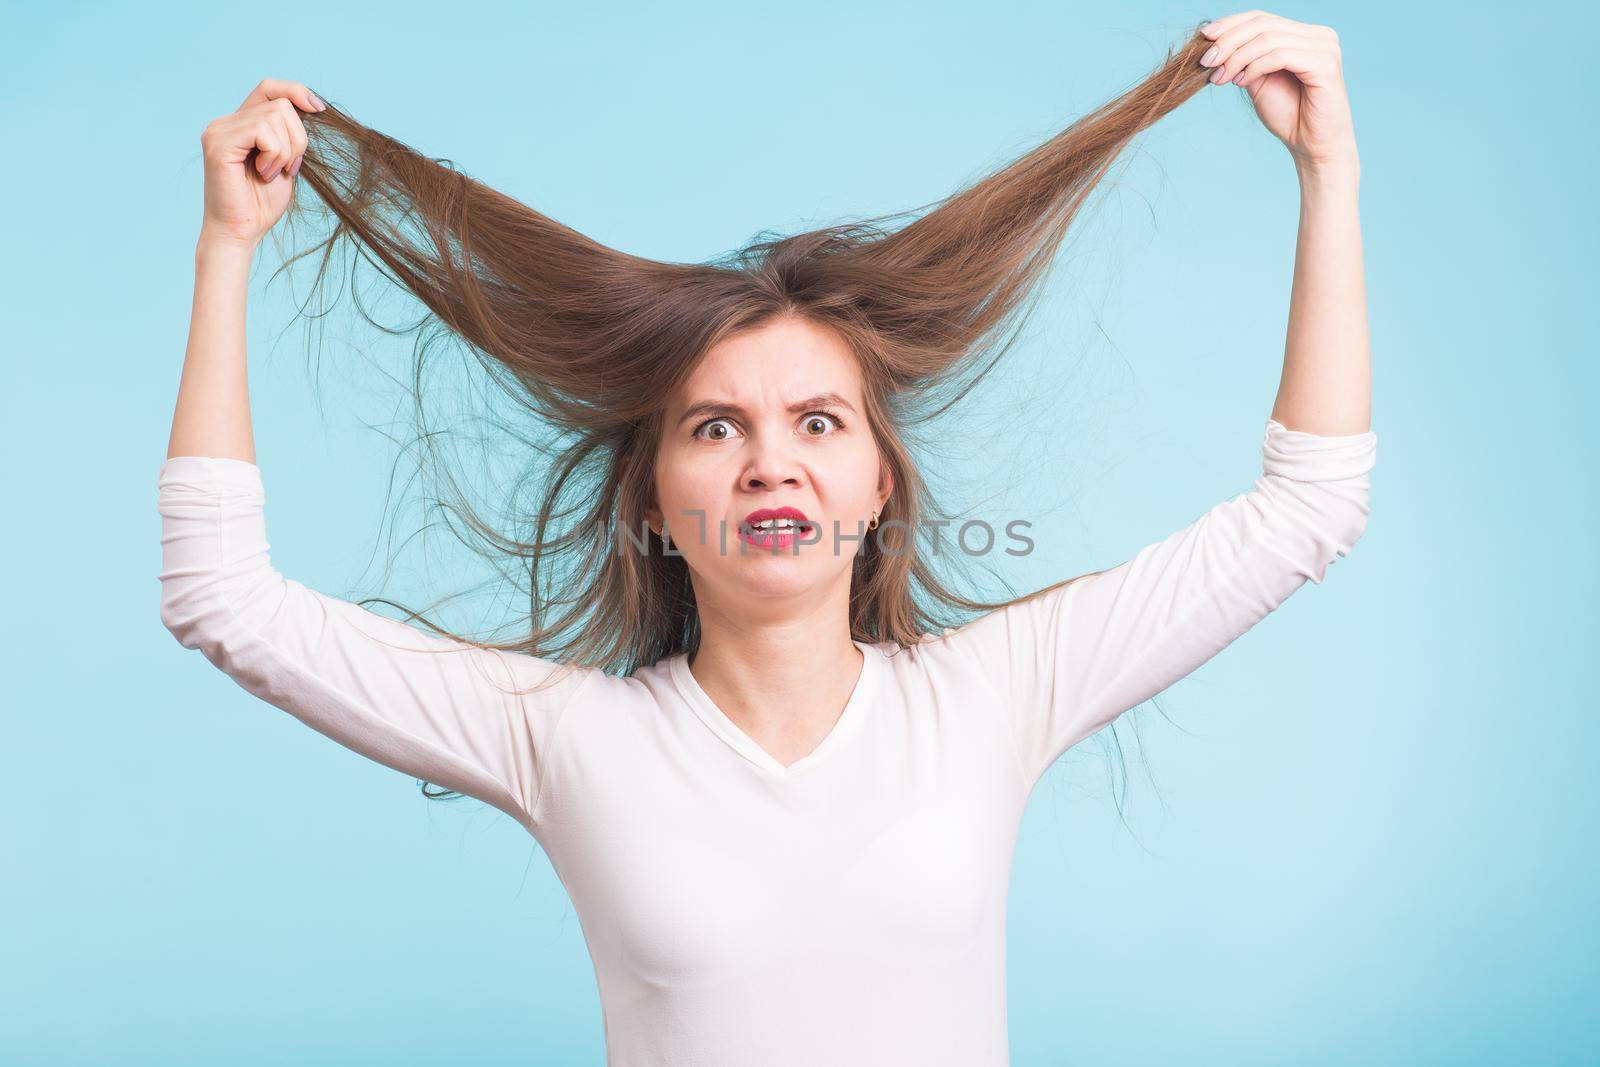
<point x="984" y="641"/>
<point x="945" y="645"/>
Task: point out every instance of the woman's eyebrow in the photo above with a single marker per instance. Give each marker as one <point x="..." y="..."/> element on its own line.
<point x="708" y="408"/>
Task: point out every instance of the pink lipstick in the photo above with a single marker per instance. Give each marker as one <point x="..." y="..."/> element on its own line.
<point x="775" y="527"/>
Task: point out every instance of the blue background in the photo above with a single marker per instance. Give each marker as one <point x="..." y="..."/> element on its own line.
<point x="1370" y="841"/>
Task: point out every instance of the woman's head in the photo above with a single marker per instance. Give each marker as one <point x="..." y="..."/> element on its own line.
<point x="773" y="418"/>
<point x="783" y="409"/>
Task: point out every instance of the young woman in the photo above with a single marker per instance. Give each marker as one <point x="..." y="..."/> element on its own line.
<point x="782" y="795"/>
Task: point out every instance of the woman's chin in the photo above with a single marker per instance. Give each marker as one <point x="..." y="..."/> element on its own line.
<point x="779" y="574"/>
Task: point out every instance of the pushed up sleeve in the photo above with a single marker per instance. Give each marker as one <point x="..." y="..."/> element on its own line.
<point x="1069" y="660"/>
<point x="437" y="709"/>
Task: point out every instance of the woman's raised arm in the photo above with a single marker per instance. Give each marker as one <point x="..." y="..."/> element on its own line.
<point x="1071" y="659"/>
<point x="1293" y="73"/>
<point x="438" y="709"/>
<point x="251" y="157"/>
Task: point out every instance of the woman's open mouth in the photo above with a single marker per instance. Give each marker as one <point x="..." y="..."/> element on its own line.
<point x="775" y="527"/>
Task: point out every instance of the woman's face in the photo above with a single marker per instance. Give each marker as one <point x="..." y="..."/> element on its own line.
<point x="770" y="420"/>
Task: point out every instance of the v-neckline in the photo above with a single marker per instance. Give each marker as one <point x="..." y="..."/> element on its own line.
<point x="742" y="743"/>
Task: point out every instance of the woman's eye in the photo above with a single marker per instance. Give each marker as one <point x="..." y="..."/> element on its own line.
<point x="820" y="418"/>
<point x="715" y="430"/>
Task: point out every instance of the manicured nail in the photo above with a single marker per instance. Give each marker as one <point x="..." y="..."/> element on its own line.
<point x="316" y="101"/>
<point x="294" y="168"/>
<point x="1207" y="27"/>
<point x="1210" y="57"/>
<point x="271" y="174"/>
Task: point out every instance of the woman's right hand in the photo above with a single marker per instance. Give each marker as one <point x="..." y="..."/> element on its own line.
<point x="246" y="194"/>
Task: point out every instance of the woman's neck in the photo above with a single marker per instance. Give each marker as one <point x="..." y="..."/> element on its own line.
<point x="783" y="681"/>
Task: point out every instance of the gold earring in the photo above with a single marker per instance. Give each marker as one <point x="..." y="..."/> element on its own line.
<point x="873" y="525"/>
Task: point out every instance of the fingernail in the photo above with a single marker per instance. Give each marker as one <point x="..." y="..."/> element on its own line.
<point x="271" y="174"/>
<point x="294" y="168"/>
<point x="1210" y="57"/>
<point x="317" y="101"/>
<point x="1216" y="76"/>
<point x="1207" y="27"/>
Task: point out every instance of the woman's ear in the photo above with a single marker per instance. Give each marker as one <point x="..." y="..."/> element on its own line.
<point x="885" y="486"/>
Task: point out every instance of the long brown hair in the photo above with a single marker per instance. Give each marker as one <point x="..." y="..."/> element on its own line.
<point x="589" y="341"/>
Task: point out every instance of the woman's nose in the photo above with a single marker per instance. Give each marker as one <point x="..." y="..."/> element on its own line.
<point x="772" y="464"/>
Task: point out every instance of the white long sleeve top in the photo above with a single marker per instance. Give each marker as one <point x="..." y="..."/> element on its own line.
<point x="848" y="908"/>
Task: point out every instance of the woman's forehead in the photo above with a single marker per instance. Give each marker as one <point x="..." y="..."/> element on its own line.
<point x="776" y="364"/>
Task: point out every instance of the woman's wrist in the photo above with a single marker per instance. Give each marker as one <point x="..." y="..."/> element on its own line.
<point x="215" y="247"/>
<point x="1339" y="173"/>
<point x="223" y="262"/>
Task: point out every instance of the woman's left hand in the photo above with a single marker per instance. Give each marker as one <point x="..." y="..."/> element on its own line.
<point x="1295" y="77"/>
